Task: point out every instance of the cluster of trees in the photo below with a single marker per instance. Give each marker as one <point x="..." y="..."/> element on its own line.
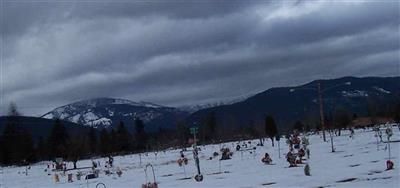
<point x="382" y="107"/>
<point x="121" y="140"/>
<point x="18" y="147"/>
<point x="16" y="144"/>
<point x="210" y="131"/>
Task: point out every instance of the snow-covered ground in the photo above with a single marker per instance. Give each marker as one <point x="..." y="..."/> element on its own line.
<point x="356" y="163"/>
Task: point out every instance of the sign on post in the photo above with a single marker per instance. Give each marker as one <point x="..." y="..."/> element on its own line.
<point x="194" y="130"/>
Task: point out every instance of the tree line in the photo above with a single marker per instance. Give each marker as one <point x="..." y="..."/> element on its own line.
<point x="18" y="147"/>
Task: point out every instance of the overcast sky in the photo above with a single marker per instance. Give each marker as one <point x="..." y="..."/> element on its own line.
<point x="177" y="53"/>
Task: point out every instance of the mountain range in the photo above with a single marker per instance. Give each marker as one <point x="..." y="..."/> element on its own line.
<point x="289" y="104"/>
<point x="109" y="112"/>
<point x="286" y="104"/>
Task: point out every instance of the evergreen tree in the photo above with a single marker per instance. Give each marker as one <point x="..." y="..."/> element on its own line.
<point x="250" y="129"/>
<point x="183" y="133"/>
<point x="105" y="143"/>
<point x="342" y="119"/>
<point x="13" y="147"/>
<point x="42" y="149"/>
<point x="307" y="128"/>
<point x="9" y="139"/>
<point x="13" y="110"/>
<point x="298" y="126"/>
<point x="396" y="113"/>
<point x="270" y="128"/>
<point x="27" y="149"/>
<point x="92" y="139"/>
<point x="211" y="126"/>
<point x="78" y="147"/>
<point x="123" y="138"/>
<point x="17" y="143"/>
<point x="58" y="140"/>
<point x="113" y="141"/>
<point x="141" y="136"/>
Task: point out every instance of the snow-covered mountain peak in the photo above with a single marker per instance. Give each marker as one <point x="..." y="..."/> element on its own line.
<point x="111" y="101"/>
<point x="106" y="112"/>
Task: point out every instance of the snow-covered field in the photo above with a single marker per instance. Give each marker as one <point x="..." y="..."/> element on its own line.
<point x="356" y="163"/>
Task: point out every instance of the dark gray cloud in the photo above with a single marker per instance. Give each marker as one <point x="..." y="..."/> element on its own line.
<point x="179" y="52"/>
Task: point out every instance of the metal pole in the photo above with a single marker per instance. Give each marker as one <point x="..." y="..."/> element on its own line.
<point x="333" y="149"/>
<point x="198" y="165"/>
<point x="321" y="111"/>
<point x="377" y="140"/>
<point x="184" y="170"/>
<point x="198" y="177"/>
<point x="279" y="148"/>
<point x="194" y="138"/>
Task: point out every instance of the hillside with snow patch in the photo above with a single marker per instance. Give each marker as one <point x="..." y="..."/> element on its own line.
<point x="108" y="112"/>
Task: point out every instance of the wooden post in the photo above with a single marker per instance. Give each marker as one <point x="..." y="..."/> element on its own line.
<point x="219" y="166"/>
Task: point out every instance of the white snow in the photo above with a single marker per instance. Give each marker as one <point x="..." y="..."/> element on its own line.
<point x="381" y="90"/>
<point x="49" y="116"/>
<point x="123" y="101"/>
<point x="90" y="116"/>
<point x="354" y="158"/>
<point x="75" y="118"/>
<point x="355" y="93"/>
<point x="150" y="105"/>
<point x="141" y="103"/>
<point x="102" y="122"/>
<point x="110" y="112"/>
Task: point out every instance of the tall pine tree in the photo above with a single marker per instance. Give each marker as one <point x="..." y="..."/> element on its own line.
<point x="105" y="143"/>
<point x="212" y="125"/>
<point x="18" y="146"/>
<point x="42" y="149"/>
<point x="141" y="136"/>
<point x="92" y="141"/>
<point x="58" y="140"/>
<point x="183" y="133"/>
<point x="123" y="138"/>
<point x="270" y="128"/>
<point x="298" y="126"/>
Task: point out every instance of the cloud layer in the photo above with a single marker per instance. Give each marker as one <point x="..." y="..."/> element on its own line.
<point x="180" y="53"/>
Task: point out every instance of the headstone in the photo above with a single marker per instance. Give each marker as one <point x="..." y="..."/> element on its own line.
<point x="56" y="178"/>
<point x="70" y="178"/>
<point x="307" y="170"/>
<point x="78" y="176"/>
<point x="90" y="176"/>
